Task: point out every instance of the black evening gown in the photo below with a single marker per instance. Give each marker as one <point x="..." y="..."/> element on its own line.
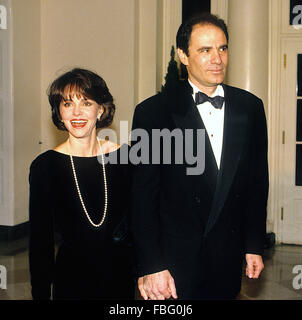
<point x="90" y="262"/>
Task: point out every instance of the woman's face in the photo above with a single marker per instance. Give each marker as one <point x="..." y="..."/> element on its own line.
<point x="79" y="115"/>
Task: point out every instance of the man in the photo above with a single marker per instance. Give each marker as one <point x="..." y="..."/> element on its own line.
<point x="191" y="232"/>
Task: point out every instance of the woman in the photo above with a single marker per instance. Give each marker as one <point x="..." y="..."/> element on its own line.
<point x="77" y="194"/>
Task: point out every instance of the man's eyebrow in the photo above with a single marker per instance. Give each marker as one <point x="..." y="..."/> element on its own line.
<point x="205" y="47"/>
<point x="210" y="47"/>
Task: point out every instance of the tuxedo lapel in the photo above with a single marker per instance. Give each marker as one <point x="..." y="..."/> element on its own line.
<point x="184" y="112"/>
<point x="234" y="137"/>
<point x="186" y="116"/>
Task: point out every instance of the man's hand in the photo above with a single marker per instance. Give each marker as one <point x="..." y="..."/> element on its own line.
<point x="254" y="265"/>
<point x="157" y="286"/>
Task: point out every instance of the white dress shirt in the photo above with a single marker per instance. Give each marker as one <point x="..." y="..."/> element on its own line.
<point x="213" y="120"/>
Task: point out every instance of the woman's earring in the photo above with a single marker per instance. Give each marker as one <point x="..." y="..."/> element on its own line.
<point x="99" y="116"/>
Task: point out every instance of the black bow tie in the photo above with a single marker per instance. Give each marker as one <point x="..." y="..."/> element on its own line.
<point x="201" y="97"/>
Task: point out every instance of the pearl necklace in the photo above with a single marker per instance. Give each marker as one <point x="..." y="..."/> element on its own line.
<point x="79" y="191"/>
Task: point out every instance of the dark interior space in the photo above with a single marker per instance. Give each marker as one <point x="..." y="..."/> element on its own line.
<point x="192" y="7"/>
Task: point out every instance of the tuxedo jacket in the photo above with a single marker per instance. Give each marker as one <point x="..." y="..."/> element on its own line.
<point x="200" y="226"/>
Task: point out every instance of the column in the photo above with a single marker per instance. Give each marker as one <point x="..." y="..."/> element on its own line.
<point x="6" y="119"/>
<point x="145" y="49"/>
<point x="169" y="20"/>
<point x="248" y="46"/>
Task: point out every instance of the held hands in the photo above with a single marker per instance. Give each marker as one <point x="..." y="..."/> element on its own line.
<point x="157" y="286"/>
<point x="254" y="265"/>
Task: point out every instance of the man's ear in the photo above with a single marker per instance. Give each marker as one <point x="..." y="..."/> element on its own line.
<point x="182" y="56"/>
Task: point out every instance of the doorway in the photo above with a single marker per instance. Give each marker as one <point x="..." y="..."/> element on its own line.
<point x="291" y="152"/>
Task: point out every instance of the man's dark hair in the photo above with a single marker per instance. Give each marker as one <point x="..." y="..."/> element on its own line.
<point x="83" y="83"/>
<point x="184" y="32"/>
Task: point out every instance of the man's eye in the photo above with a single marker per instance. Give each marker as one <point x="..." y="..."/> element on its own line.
<point x="225" y="48"/>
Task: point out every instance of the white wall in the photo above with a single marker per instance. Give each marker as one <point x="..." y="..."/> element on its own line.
<point x="97" y="35"/>
<point x="26" y="96"/>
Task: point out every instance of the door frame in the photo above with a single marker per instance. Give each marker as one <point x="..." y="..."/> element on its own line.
<point x="279" y="30"/>
<point x="287" y="45"/>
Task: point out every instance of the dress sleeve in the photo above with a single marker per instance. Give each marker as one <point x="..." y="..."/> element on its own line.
<point x="41" y="241"/>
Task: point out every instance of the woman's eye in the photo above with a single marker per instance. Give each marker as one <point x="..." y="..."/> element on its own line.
<point x="67" y="104"/>
<point x="87" y="103"/>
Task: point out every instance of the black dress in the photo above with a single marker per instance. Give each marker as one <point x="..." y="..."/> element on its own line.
<point x="90" y="263"/>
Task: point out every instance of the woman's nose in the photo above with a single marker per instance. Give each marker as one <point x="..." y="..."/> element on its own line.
<point x="77" y="109"/>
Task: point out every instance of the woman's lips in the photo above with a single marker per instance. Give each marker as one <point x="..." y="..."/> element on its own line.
<point x="78" y="123"/>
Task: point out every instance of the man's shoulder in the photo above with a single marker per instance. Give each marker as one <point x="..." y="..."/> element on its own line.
<point x="150" y="103"/>
<point x="245" y="101"/>
<point x="240" y="93"/>
<point x="167" y="98"/>
<point x="152" y="110"/>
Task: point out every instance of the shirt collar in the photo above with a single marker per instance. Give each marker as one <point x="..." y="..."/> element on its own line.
<point x="218" y="92"/>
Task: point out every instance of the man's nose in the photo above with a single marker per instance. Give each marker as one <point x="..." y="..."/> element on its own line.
<point x="216" y="58"/>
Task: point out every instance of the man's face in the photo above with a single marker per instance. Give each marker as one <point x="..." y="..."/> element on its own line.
<point x="208" y="57"/>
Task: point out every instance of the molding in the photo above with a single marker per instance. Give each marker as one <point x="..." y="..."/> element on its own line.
<point x="145" y="49"/>
<point x="6" y="94"/>
<point x="156" y="24"/>
<point x="171" y="20"/>
<point x="273" y="120"/>
<point x="10" y="233"/>
<point x="136" y="53"/>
